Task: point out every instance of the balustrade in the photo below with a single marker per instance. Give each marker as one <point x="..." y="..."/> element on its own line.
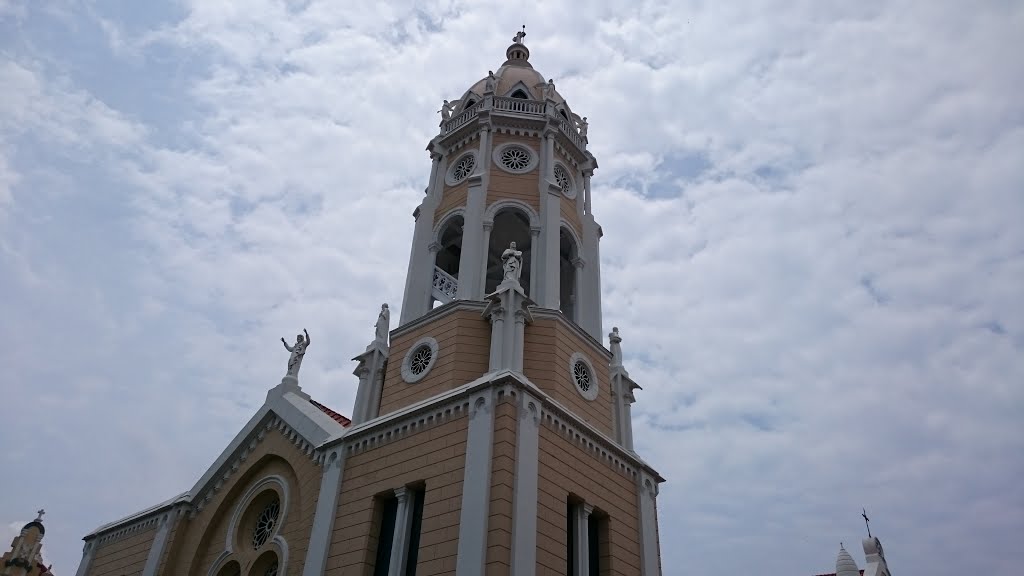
<point x="445" y="285"/>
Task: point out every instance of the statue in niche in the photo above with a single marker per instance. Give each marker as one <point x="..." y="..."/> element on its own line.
<point x="446" y="111"/>
<point x="512" y="262"/>
<point x="298" y="350"/>
<point x="383" y="325"/>
<point x="549" y="89"/>
<point x="491" y="82"/>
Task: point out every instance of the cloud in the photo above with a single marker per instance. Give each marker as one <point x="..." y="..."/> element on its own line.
<point x="812" y="247"/>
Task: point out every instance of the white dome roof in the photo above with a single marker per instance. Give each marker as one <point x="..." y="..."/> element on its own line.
<point x="845" y="566"/>
<point x="516" y="70"/>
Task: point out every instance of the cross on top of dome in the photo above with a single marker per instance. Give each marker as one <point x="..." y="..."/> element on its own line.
<point x="518" y="38"/>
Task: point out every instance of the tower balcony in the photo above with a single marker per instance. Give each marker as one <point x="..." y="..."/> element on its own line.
<point x="502" y="108"/>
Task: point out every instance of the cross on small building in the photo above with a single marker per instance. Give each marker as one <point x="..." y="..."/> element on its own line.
<point x="40" y="512"/>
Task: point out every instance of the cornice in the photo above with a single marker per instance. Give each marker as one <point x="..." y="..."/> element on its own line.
<point x="436" y="313"/>
<point x="551" y="314"/>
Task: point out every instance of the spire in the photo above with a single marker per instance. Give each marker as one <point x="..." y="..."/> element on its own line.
<point x="845" y="566"/>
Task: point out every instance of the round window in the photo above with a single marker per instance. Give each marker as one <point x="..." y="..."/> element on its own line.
<point x="515" y="158"/>
<point x="265" y="523"/>
<point x="462" y="168"/>
<point x="418" y="361"/>
<point x="564" y="181"/>
<point x="583" y="376"/>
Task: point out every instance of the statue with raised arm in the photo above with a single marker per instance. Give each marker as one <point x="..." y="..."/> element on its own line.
<point x="383" y="324"/>
<point x="491" y="82"/>
<point x="512" y="262"/>
<point x="298" y="350"/>
<point x="446" y="111"/>
<point x="518" y="38"/>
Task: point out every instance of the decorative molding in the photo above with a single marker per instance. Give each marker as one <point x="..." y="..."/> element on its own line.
<point x="246" y="500"/>
<point x="504" y="203"/>
<point x="418" y="421"/>
<point x="531" y="164"/>
<point x="449" y="174"/>
<point x="597" y="447"/>
<point x="435" y="314"/>
<point x="408" y="375"/>
<point x="131" y="529"/>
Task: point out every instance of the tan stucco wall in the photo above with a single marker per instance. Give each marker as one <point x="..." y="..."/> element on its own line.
<point x="463" y="341"/>
<point x="549" y="344"/>
<point x="523" y="187"/>
<point x="197" y="542"/>
<point x="503" y="467"/>
<point x="123" y="557"/>
<point x="435" y="456"/>
<point x="565" y="468"/>
<point x="452" y="197"/>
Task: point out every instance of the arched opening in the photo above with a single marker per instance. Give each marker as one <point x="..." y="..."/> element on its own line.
<point x="510" y="225"/>
<point x="469" y="102"/>
<point x="450" y="252"/>
<point x="564" y="115"/>
<point x="232" y="568"/>
<point x="567" y="289"/>
<point x="265" y="565"/>
<point x="520" y="94"/>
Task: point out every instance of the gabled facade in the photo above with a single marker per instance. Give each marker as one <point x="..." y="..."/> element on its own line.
<point x="491" y="432"/>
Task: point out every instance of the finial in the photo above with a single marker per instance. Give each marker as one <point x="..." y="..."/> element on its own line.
<point x="40" y="517"/>
<point x="518" y="38"/>
<point x="867" y="521"/>
<point x="841" y="546"/>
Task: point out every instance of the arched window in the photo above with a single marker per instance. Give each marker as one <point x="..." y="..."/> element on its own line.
<point x="510" y="225"/>
<point x="567" y="290"/>
<point x="468" y="103"/>
<point x="564" y="115"/>
<point x="451" y="246"/>
<point x="520" y="94"/>
<point x="232" y="568"/>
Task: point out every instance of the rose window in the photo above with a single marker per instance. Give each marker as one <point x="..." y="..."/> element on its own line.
<point x="515" y="158"/>
<point x="581" y="374"/>
<point x="464" y="167"/>
<point x="421" y="360"/>
<point x="265" y="524"/>
<point x="562" y="178"/>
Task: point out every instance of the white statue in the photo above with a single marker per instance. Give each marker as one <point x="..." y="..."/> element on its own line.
<point x="616" y="346"/>
<point x="298" y="350"/>
<point x="549" y="89"/>
<point x="583" y="127"/>
<point x="518" y="38"/>
<point x="491" y="82"/>
<point x="512" y="262"/>
<point x="446" y="111"/>
<point x="383" y="324"/>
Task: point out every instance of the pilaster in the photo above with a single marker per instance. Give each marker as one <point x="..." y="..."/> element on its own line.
<point x="647" y="493"/>
<point x="323" y="518"/>
<point x="581" y="547"/>
<point x="551" y="221"/>
<point x="88" y="553"/>
<point x="524" y="515"/>
<point x="420" y="274"/>
<point x="476" y="486"/>
<point x="370" y="370"/>
<point x="400" y="541"/>
<point x="508" y="309"/>
<point x="156" y="549"/>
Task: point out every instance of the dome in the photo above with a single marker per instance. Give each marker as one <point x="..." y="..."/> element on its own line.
<point x="845" y="566"/>
<point x="516" y="71"/>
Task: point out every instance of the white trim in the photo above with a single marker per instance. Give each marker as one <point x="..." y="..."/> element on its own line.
<point x="244" y="502"/>
<point x="156" y="549"/>
<point x="476" y="486"/>
<point x="442" y="222"/>
<point x="508" y="203"/>
<point x="449" y="173"/>
<point x="403" y="527"/>
<point x="282" y="553"/>
<point x="407" y="374"/>
<point x="524" y="513"/>
<point x="531" y="165"/>
<point x="326" y="510"/>
<point x="647" y="491"/>
<point x="591" y="393"/>
<point x="573" y="191"/>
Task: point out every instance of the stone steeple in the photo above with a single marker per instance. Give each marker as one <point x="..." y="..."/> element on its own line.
<point x="25" y="557"/>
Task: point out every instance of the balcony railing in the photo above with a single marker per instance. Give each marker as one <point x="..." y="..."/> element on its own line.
<point x="516" y="106"/>
<point x="533" y="107"/>
<point x="459" y="121"/>
<point x="445" y="286"/>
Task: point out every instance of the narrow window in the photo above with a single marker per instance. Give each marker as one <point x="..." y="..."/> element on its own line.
<point x="520" y="94"/>
<point x="414" y="531"/>
<point x="388" y="517"/>
<point x="570" y="539"/>
<point x="567" y="255"/>
<point x="387" y="507"/>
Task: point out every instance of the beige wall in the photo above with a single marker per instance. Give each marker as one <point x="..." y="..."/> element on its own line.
<point x="567" y="207"/>
<point x="549" y="344"/>
<point x="123" y="557"/>
<point x="463" y="340"/>
<point x="503" y="467"/>
<point x="197" y="542"/>
<point x="565" y="468"/>
<point x="434" y="456"/>
<point x="453" y="197"/>
<point x="522" y="187"/>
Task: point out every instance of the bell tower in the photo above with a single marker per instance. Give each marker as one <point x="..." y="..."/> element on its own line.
<point x="492" y="432"/>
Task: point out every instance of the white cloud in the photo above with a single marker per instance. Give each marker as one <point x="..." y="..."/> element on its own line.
<point x="811" y="247"/>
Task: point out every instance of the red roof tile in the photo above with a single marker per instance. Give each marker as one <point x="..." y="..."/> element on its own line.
<point x="337" y="417"/>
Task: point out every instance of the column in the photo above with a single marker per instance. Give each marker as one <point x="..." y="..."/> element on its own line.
<point x="359" y="411"/>
<point x="647" y="492"/>
<point x="586" y="191"/>
<point x="579" y="307"/>
<point x="156" y="549"/>
<point x="370" y="372"/>
<point x="476" y="487"/>
<point x="524" y="513"/>
<point x="486" y="244"/>
<point x="326" y="510"/>
<point x="419" y="274"/>
<point x="551" y="222"/>
<point x="518" y="340"/>
<point x="581" y="517"/>
<point x="497" y="317"/>
<point x="403" y="524"/>
<point x="88" y="552"/>
<point x="536" y="255"/>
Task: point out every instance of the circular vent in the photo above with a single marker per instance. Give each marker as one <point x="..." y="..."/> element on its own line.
<point x="463" y="168"/>
<point x="515" y="158"/>
<point x="421" y="358"/>
<point x="265" y="523"/>
<point x="583" y="376"/>
<point x="564" y="181"/>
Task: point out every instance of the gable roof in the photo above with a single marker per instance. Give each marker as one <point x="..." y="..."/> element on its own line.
<point x="337" y="417"/>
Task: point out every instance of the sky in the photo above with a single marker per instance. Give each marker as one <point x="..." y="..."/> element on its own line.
<point x="812" y="248"/>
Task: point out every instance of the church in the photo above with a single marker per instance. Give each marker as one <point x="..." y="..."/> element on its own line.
<point x="491" y="431"/>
